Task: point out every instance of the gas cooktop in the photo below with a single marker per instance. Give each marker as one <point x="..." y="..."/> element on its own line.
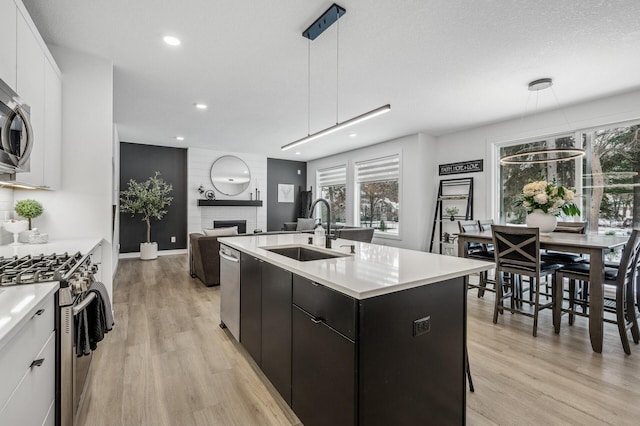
<point x="34" y="269"/>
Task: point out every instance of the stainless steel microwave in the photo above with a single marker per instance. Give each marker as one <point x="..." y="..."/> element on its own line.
<point x="16" y="134"/>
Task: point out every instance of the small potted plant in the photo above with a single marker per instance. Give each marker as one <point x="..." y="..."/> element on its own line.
<point x="451" y="212"/>
<point x="147" y="199"/>
<point x="28" y="209"/>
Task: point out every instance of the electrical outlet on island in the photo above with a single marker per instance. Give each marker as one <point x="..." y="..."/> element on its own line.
<point x="173" y="239"/>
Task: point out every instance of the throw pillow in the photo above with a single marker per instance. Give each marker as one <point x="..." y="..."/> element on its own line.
<point x="221" y="232"/>
<point x="305" y="224"/>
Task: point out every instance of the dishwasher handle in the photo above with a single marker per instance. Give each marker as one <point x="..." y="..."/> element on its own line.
<point x="227" y="257"/>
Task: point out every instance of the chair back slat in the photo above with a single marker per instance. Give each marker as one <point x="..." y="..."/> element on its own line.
<point x="485" y="224"/>
<point x="630" y="259"/>
<point x="470" y="226"/>
<point x="517" y="249"/>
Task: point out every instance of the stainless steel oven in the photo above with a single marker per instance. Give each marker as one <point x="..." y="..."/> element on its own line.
<point x="16" y="135"/>
<point x="73" y="371"/>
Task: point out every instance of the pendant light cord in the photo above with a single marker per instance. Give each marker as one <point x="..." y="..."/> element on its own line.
<point x="337" y="62"/>
<point x="308" y="87"/>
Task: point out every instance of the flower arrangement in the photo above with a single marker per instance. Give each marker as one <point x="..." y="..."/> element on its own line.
<point x="549" y="197"/>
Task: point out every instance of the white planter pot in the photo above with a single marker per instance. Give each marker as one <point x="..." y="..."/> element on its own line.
<point x="539" y="219"/>
<point x="148" y="251"/>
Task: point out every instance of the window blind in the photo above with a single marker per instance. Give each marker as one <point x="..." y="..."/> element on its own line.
<point x="381" y="169"/>
<point x="332" y="176"/>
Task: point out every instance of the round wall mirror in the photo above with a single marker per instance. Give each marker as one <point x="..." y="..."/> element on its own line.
<point x="230" y="175"/>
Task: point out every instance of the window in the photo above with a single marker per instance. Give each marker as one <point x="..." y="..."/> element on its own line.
<point x="607" y="179"/>
<point x="377" y="201"/>
<point x="332" y="186"/>
<point x="612" y="179"/>
<point x="514" y="176"/>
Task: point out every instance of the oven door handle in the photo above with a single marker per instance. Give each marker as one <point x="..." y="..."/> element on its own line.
<point x="83" y="305"/>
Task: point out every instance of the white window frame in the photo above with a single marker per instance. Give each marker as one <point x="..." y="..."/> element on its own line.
<point x="356" y="195"/>
<point x="319" y="184"/>
<point x="494" y="154"/>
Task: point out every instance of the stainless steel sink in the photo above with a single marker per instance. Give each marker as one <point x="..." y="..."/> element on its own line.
<point x="303" y="254"/>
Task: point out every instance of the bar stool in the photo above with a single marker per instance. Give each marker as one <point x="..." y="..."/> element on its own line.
<point x="517" y="251"/>
<point x="624" y="279"/>
<point x="477" y="251"/>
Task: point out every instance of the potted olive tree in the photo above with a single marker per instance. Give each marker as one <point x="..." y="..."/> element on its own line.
<point x="147" y="199"/>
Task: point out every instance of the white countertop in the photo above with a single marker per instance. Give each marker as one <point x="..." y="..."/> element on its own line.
<point x="373" y="271"/>
<point x="60" y="246"/>
<point x="18" y="304"/>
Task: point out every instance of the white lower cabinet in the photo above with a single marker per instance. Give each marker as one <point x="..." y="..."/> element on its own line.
<point x="28" y="371"/>
<point x="29" y="404"/>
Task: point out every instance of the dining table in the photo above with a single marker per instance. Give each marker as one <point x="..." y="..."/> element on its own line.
<point x="596" y="246"/>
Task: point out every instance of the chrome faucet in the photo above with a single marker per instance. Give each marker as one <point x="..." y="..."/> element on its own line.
<point x="328" y="237"/>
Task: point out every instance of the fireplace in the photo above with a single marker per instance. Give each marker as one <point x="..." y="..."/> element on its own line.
<point x="241" y="224"/>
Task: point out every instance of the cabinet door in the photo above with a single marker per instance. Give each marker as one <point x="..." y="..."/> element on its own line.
<point x="52" y="126"/>
<point x="8" y="45"/>
<point x="30" y="88"/>
<point x="323" y="373"/>
<point x="276" y="328"/>
<point x="251" y="305"/>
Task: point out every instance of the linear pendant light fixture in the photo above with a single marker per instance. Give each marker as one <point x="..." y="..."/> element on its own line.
<point x="339" y="126"/>
<point x="312" y="32"/>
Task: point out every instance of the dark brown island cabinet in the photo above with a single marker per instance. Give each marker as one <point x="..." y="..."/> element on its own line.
<point x="394" y="359"/>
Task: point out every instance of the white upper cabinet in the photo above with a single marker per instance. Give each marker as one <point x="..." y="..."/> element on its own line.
<point x="8" y="45"/>
<point x="30" y="88"/>
<point x="52" y="126"/>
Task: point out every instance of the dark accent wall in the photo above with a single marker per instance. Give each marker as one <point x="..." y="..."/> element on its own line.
<point x="139" y="162"/>
<point x="286" y="172"/>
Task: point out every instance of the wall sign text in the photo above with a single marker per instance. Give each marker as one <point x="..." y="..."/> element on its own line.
<point x="464" y="167"/>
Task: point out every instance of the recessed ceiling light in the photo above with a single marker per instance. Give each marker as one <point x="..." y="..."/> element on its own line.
<point x="179" y="138"/>
<point x="201" y="106"/>
<point x="298" y="153"/>
<point x="353" y="135"/>
<point x="171" y="40"/>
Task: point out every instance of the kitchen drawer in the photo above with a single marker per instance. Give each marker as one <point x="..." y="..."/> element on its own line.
<point x="335" y="309"/>
<point x="30" y="402"/>
<point x="17" y="354"/>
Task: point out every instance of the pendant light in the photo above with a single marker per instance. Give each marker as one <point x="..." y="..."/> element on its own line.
<point x="327" y="19"/>
<point x="548" y="155"/>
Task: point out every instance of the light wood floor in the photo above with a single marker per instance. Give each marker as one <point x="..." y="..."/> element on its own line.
<point x="167" y="362"/>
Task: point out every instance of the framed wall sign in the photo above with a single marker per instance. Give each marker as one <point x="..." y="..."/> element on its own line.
<point x="285" y="193"/>
<point x="463" y="167"/>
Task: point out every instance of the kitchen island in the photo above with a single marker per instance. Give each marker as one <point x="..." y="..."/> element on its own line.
<point x="374" y="337"/>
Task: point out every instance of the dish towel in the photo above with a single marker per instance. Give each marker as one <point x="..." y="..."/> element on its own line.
<point x="94" y="321"/>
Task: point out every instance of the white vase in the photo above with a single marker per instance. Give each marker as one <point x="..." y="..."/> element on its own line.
<point x="539" y="219"/>
<point x="15" y="227"/>
<point x="148" y="251"/>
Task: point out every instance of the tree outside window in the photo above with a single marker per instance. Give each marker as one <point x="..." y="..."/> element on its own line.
<point x="377" y="191"/>
<point x="608" y="177"/>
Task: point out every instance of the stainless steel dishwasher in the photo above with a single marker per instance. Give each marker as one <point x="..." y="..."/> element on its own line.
<point x="230" y="290"/>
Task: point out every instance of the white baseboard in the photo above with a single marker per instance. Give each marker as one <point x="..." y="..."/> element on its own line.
<point x="160" y="253"/>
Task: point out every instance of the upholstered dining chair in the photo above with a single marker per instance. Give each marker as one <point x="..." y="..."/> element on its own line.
<point x="624" y="280"/>
<point x="477" y="251"/>
<point x="517" y="251"/>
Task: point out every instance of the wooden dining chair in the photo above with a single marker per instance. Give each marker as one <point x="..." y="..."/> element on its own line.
<point x="517" y="251"/>
<point x="477" y="251"/>
<point x="624" y="280"/>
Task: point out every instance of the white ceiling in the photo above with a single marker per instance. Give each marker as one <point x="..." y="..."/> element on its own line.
<point x="443" y="65"/>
